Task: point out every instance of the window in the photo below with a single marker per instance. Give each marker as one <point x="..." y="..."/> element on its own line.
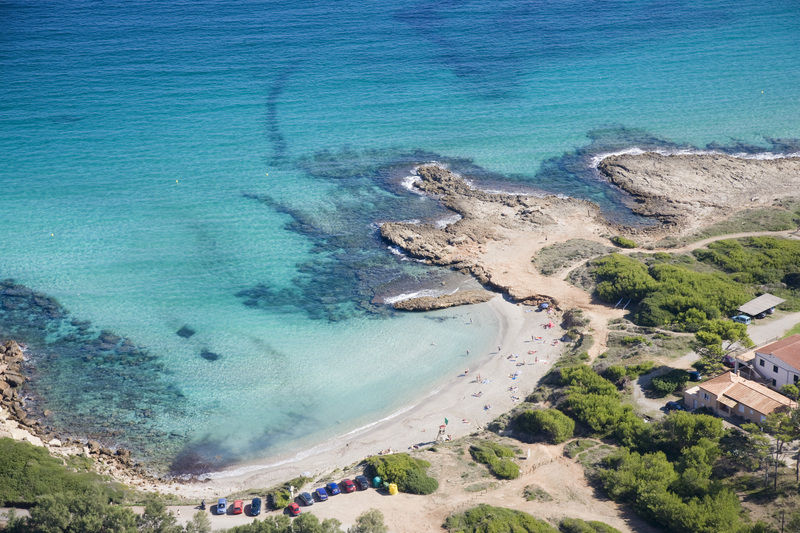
<point x="773" y="383"/>
<point x="705" y="396"/>
<point x="796" y="378"/>
<point x="741" y="408"/>
<point x="763" y="418"/>
<point x="760" y="362"/>
<point x="775" y="368"/>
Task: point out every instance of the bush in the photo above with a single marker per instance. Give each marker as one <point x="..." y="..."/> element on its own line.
<point x="555" y="426"/>
<point x="670" y="382"/>
<point x="576" y="525"/>
<point x="636" y="339"/>
<point x="574" y="318"/>
<point x="282" y="496"/>
<point x="497" y="458"/>
<point x="28" y="472"/>
<point x="409" y="473"/>
<point x="486" y="518"/>
<point x="618" y="373"/>
<point x="623" y="242"/>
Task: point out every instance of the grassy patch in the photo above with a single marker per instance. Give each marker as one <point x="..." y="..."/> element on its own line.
<point x="576" y="525"/>
<point x="497" y="457"/>
<point x="481" y="486"/>
<point x="794" y="331"/>
<point x="578" y="446"/>
<point x="782" y="217"/>
<point x="534" y="493"/>
<point x="28" y="472"/>
<point x="556" y="257"/>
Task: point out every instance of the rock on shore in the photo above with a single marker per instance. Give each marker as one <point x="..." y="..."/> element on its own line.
<point x="694" y="190"/>
<point x="429" y="303"/>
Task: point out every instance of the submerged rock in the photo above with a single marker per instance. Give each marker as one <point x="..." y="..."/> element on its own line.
<point x="185" y="332"/>
<point x="208" y="355"/>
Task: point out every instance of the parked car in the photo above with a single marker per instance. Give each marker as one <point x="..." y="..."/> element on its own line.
<point x="321" y="494"/>
<point x="293" y="509"/>
<point x="306" y="498"/>
<point x="222" y="506"/>
<point x="348" y="485"/>
<point x="361" y="482"/>
<point x="729" y="361"/>
<point x="673" y="406"/>
<point x="238" y="507"/>
<point x="255" y="507"/>
<point x="742" y="319"/>
<point x="333" y="488"/>
<point x="694" y="375"/>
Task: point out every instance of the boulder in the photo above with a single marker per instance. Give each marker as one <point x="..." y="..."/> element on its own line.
<point x="94" y="446"/>
<point x="14" y="379"/>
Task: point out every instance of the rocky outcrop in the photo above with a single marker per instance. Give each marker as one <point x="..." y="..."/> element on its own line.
<point x="11" y="380"/>
<point x="429" y="303"/>
<point x="694" y="190"/>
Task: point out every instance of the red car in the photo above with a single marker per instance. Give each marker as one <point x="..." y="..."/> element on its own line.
<point x="238" y="507"/>
<point x="347" y="485"/>
<point x="293" y="509"/>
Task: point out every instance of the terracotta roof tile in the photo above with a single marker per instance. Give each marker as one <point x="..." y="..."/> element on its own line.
<point x="787" y="350"/>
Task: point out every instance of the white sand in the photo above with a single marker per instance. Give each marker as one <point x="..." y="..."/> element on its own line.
<point x="452" y="399"/>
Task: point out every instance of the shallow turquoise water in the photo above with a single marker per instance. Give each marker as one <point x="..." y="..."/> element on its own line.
<point x="224" y="167"/>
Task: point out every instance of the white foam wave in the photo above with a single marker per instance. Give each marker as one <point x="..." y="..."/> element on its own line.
<point x="446" y="221"/>
<point x="635" y="150"/>
<point x="417" y="294"/>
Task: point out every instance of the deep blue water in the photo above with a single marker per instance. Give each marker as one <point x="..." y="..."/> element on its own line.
<point x="225" y="166"/>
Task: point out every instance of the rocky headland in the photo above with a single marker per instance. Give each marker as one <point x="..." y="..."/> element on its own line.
<point x="690" y="191"/>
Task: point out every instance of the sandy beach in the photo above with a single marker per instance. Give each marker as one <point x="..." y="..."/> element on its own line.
<point x="526" y="349"/>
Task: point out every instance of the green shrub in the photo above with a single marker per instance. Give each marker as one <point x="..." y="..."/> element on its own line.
<point x="576" y="525"/>
<point x="756" y="260"/>
<point x="533" y="493"/>
<point x="617" y="373"/>
<point x="623" y="242"/>
<point x="670" y="382"/>
<point x="409" y="473"/>
<point x="28" y="472"/>
<point x="637" y="339"/>
<point x="665" y="294"/>
<point x="497" y="458"/>
<point x="555" y="426"/>
<point x="489" y="519"/>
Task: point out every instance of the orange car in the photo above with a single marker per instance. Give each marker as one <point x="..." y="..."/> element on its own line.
<point x="238" y="507"/>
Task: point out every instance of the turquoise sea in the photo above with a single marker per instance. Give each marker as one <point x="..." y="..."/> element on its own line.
<point x="224" y="167"/>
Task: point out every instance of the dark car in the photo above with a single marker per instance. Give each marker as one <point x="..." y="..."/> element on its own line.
<point x="673" y="406"/>
<point x="348" y="485"/>
<point x="306" y="498"/>
<point x="238" y="507"/>
<point x="255" y="507"/>
<point x="222" y="506"/>
<point x="293" y="509"/>
<point x="361" y="482"/>
<point x="694" y="375"/>
<point x="321" y="494"/>
<point x="333" y="488"/>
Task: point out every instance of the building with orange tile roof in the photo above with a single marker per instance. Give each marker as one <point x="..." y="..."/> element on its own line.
<point x="730" y="395"/>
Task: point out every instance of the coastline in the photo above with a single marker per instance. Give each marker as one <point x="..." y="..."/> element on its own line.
<point x="414" y="424"/>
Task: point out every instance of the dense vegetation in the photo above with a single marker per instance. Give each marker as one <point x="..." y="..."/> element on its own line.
<point x="664" y="470"/>
<point x="618" y="374"/>
<point x="409" y="473"/>
<point x="282" y="494"/>
<point x="576" y="525"/>
<point x="551" y="424"/>
<point x="667" y="295"/>
<point x="497" y="457"/>
<point x="670" y="382"/>
<point x="623" y="242"/>
<point x="489" y="519"/>
<point x="368" y="522"/>
<point x="28" y="472"/>
<point x="756" y="260"/>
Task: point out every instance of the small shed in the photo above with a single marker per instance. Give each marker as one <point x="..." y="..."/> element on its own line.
<point x="765" y="303"/>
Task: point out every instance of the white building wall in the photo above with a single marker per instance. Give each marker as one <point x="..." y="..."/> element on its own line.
<point x="784" y="375"/>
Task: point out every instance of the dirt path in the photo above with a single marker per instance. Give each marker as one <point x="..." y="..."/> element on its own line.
<point x="463" y="484"/>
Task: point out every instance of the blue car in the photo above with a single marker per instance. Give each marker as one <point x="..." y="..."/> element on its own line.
<point x="222" y="506"/>
<point x="255" y="507"/>
<point x="321" y="494"/>
<point x="306" y="498"/>
<point x="333" y="488"/>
